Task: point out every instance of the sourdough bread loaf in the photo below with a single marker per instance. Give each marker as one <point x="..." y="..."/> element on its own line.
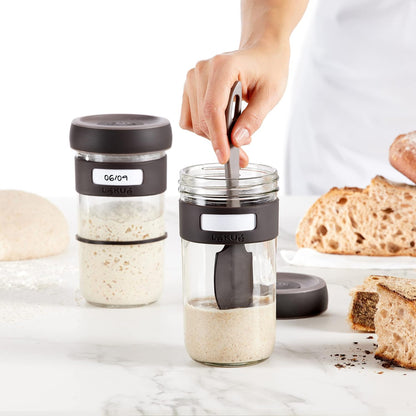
<point x="395" y="322"/>
<point x="379" y="220"/>
<point x="363" y="304"/>
<point x="402" y="155"/>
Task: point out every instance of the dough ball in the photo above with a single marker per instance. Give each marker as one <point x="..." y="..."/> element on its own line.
<point x="30" y="227"/>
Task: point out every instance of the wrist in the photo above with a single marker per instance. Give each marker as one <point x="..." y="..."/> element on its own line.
<point x="268" y="45"/>
<point x="271" y="42"/>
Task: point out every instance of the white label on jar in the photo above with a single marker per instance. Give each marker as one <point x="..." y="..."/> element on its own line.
<point x="119" y="177"/>
<point x="228" y="222"/>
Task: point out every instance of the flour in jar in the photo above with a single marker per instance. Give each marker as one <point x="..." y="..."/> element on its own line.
<point x="121" y="275"/>
<point x="232" y="336"/>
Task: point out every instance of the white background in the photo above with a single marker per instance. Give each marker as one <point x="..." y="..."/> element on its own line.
<point x="64" y="59"/>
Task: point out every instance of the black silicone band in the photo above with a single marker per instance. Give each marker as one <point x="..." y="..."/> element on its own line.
<point x="121" y="243"/>
<point x="267" y="223"/>
<point x="154" y="178"/>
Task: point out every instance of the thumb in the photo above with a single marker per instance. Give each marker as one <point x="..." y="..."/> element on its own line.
<point x="252" y="117"/>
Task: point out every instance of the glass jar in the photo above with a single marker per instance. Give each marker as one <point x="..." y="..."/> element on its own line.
<point x="209" y="221"/>
<point x="120" y="171"/>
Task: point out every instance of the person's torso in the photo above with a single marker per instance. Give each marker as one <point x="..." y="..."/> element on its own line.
<point x="355" y="91"/>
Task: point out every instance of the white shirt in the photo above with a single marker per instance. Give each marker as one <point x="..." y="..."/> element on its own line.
<point x="355" y="92"/>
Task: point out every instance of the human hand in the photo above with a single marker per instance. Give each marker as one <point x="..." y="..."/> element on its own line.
<point x="263" y="73"/>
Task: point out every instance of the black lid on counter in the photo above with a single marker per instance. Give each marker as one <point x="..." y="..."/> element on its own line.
<point x="300" y="295"/>
<point x="120" y="134"/>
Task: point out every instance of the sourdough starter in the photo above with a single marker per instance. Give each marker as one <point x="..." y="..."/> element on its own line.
<point x="121" y="275"/>
<point x="233" y="336"/>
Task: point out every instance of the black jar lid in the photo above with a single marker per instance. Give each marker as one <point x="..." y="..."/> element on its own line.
<point x="120" y="133"/>
<point x="300" y="295"/>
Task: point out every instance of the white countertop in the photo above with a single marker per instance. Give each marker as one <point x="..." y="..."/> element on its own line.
<point x="60" y="355"/>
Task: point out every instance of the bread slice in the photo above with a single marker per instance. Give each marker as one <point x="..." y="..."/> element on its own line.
<point x="363" y="304"/>
<point x="379" y="220"/>
<point x="402" y="155"/>
<point x="395" y="322"/>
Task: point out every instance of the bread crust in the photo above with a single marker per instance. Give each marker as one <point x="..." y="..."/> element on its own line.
<point x="379" y="220"/>
<point x="362" y="328"/>
<point x="403" y="290"/>
<point x="410" y="300"/>
<point x="380" y="356"/>
<point x="402" y="155"/>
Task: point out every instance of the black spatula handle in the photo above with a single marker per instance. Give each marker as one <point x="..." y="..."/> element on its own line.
<point x="232" y="112"/>
<point x="232" y="167"/>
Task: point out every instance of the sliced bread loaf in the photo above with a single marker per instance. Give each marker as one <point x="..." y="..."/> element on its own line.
<point x="363" y="304"/>
<point x="379" y="220"/>
<point x="395" y="322"/>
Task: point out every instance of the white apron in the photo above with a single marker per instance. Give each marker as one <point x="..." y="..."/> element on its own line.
<point x="354" y="92"/>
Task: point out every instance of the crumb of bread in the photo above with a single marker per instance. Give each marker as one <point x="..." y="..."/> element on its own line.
<point x="379" y="220"/>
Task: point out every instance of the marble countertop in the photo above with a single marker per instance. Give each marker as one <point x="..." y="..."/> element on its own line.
<point x="61" y="356"/>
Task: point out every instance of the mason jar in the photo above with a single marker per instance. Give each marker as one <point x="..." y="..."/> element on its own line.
<point x="120" y="175"/>
<point x="212" y="218"/>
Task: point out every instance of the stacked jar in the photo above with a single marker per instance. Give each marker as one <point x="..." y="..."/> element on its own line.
<point x="120" y="171"/>
<point x="209" y="221"/>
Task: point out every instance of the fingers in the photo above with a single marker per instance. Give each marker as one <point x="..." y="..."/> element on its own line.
<point x="192" y="117"/>
<point x="261" y="101"/>
<point x="221" y="78"/>
<point x="201" y="81"/>
<point x="243" y="159"/>
<point x="206" y="94"/>
<point x="190" y="112"/>
<point x="185" y="121"/>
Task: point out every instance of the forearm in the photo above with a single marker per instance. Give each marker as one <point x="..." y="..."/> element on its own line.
<point x="269" y="22"/>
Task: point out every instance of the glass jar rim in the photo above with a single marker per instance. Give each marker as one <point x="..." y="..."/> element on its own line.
<point x="264" y="172"/>
<point x="207" y="182"/>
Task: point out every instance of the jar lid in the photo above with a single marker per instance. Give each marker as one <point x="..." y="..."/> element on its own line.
<point x="120" y="134"/>
<point x="300" y="295"/>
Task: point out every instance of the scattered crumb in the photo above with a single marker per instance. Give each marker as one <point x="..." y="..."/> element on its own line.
<point x="380" y="372"/>
<point x="358" y="358"/>
<point x="370" y="337"/>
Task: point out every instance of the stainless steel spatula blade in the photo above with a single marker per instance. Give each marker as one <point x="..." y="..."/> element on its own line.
<point x="233" y="271"/>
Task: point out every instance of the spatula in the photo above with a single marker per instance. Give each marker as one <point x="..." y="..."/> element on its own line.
<point x="233" y="271"/>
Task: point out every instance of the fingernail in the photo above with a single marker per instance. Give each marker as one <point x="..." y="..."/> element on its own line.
<point x="242" y="136"/>
<point x="220" y="155"/>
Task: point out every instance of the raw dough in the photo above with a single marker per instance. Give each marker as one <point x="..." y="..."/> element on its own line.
<point x="30" y="227"/>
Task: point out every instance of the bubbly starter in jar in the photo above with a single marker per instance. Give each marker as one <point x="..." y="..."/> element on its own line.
<point x="230" y="336"/>
<point x="121" y="274"/>
<point x="120" y="172"/>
